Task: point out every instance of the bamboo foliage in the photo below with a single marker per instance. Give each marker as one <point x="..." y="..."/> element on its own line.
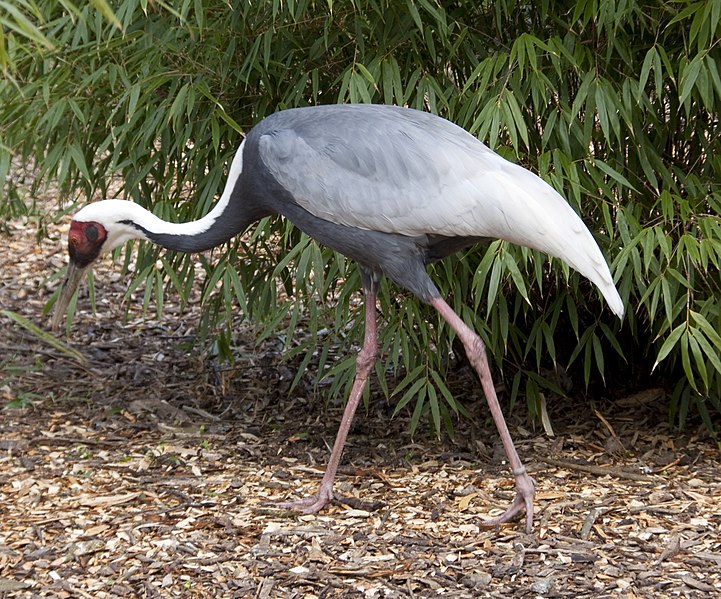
<point x="615" y="103"/>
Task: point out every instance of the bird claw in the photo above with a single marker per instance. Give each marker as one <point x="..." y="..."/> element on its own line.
<point x="525" y="492"/>
<point x="307" y="505"/>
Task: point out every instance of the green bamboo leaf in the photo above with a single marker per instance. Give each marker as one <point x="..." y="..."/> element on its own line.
<point x="598" y="354"/>
<point x="708" y="330"/>
<point x="711" y="64"/>
<point x="648" y="61"/>
<point x="612" y="339"/>
<point x="669" y="344"/>
<point x="178" y="107"/>
<point x="76" y="154"/>
<point x="494" y="280"/>
<point x="603" y="111"/>
<point x="22" y="24"/>
<point x="689" y="76"/>
<point x="584" y="92"/>
<point x="698" y="357"/>
<point x="43" y="336"/>
<point x="104" y="9"/>
<point x="169" y="271"/>
<point x="516" y="275"/>
<point x="613" y="173"/>
<point x="518" y="120"/>
<point x="210" y="285"/>
<point x="415" y="15"/>
<point x="587" y="362"/>
<point x="419" y="409"/>
<point x="708" y="352"/>
<point x="239" y="291"/>
<point x="447" y="394"/>
<point x="367" y="74"/>
<point x="159" y="293"/>
<point x="409" y="394"/>
<point x="686" y="361"/>
<point x="435" y="409"/>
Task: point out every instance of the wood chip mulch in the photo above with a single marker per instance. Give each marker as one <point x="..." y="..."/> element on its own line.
<point x="146" y="472"/>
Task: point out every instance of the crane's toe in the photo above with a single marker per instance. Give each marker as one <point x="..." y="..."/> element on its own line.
<point x="308" y="505"/>
<point x="525" y="492"/>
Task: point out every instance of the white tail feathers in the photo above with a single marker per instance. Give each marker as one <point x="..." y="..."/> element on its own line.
<point x="540" y="218"/>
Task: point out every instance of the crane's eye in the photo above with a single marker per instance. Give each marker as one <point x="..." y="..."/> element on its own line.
<point x="91" y="232"/>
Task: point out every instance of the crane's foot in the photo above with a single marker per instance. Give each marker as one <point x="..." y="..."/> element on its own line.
<point x="308" y="505"/>
<point x="525" y="492"/>
<point x="315" y="503"/>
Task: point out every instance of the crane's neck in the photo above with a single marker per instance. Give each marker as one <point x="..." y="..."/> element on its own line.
<point x="230" y="216"/>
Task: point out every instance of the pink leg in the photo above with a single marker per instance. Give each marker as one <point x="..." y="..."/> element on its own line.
<point x="476" y="352"/>
<point x="364" y="364"/>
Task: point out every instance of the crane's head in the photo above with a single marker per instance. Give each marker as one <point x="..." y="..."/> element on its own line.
<point x="95" y="229"/>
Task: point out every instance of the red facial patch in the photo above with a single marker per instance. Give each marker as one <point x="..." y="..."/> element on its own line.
<point x="85" y="241"/>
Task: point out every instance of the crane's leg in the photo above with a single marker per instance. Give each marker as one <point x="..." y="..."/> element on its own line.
<point x="364" y="365"/>
<point x="476" y="352"/>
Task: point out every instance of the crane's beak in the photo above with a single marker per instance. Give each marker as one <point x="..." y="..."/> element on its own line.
<point x="70" y="284"/>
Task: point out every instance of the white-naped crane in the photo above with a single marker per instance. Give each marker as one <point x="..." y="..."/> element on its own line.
<point x="392" y="188"/>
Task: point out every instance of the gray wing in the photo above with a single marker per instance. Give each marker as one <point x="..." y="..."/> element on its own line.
<point x="398" y="170"/>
